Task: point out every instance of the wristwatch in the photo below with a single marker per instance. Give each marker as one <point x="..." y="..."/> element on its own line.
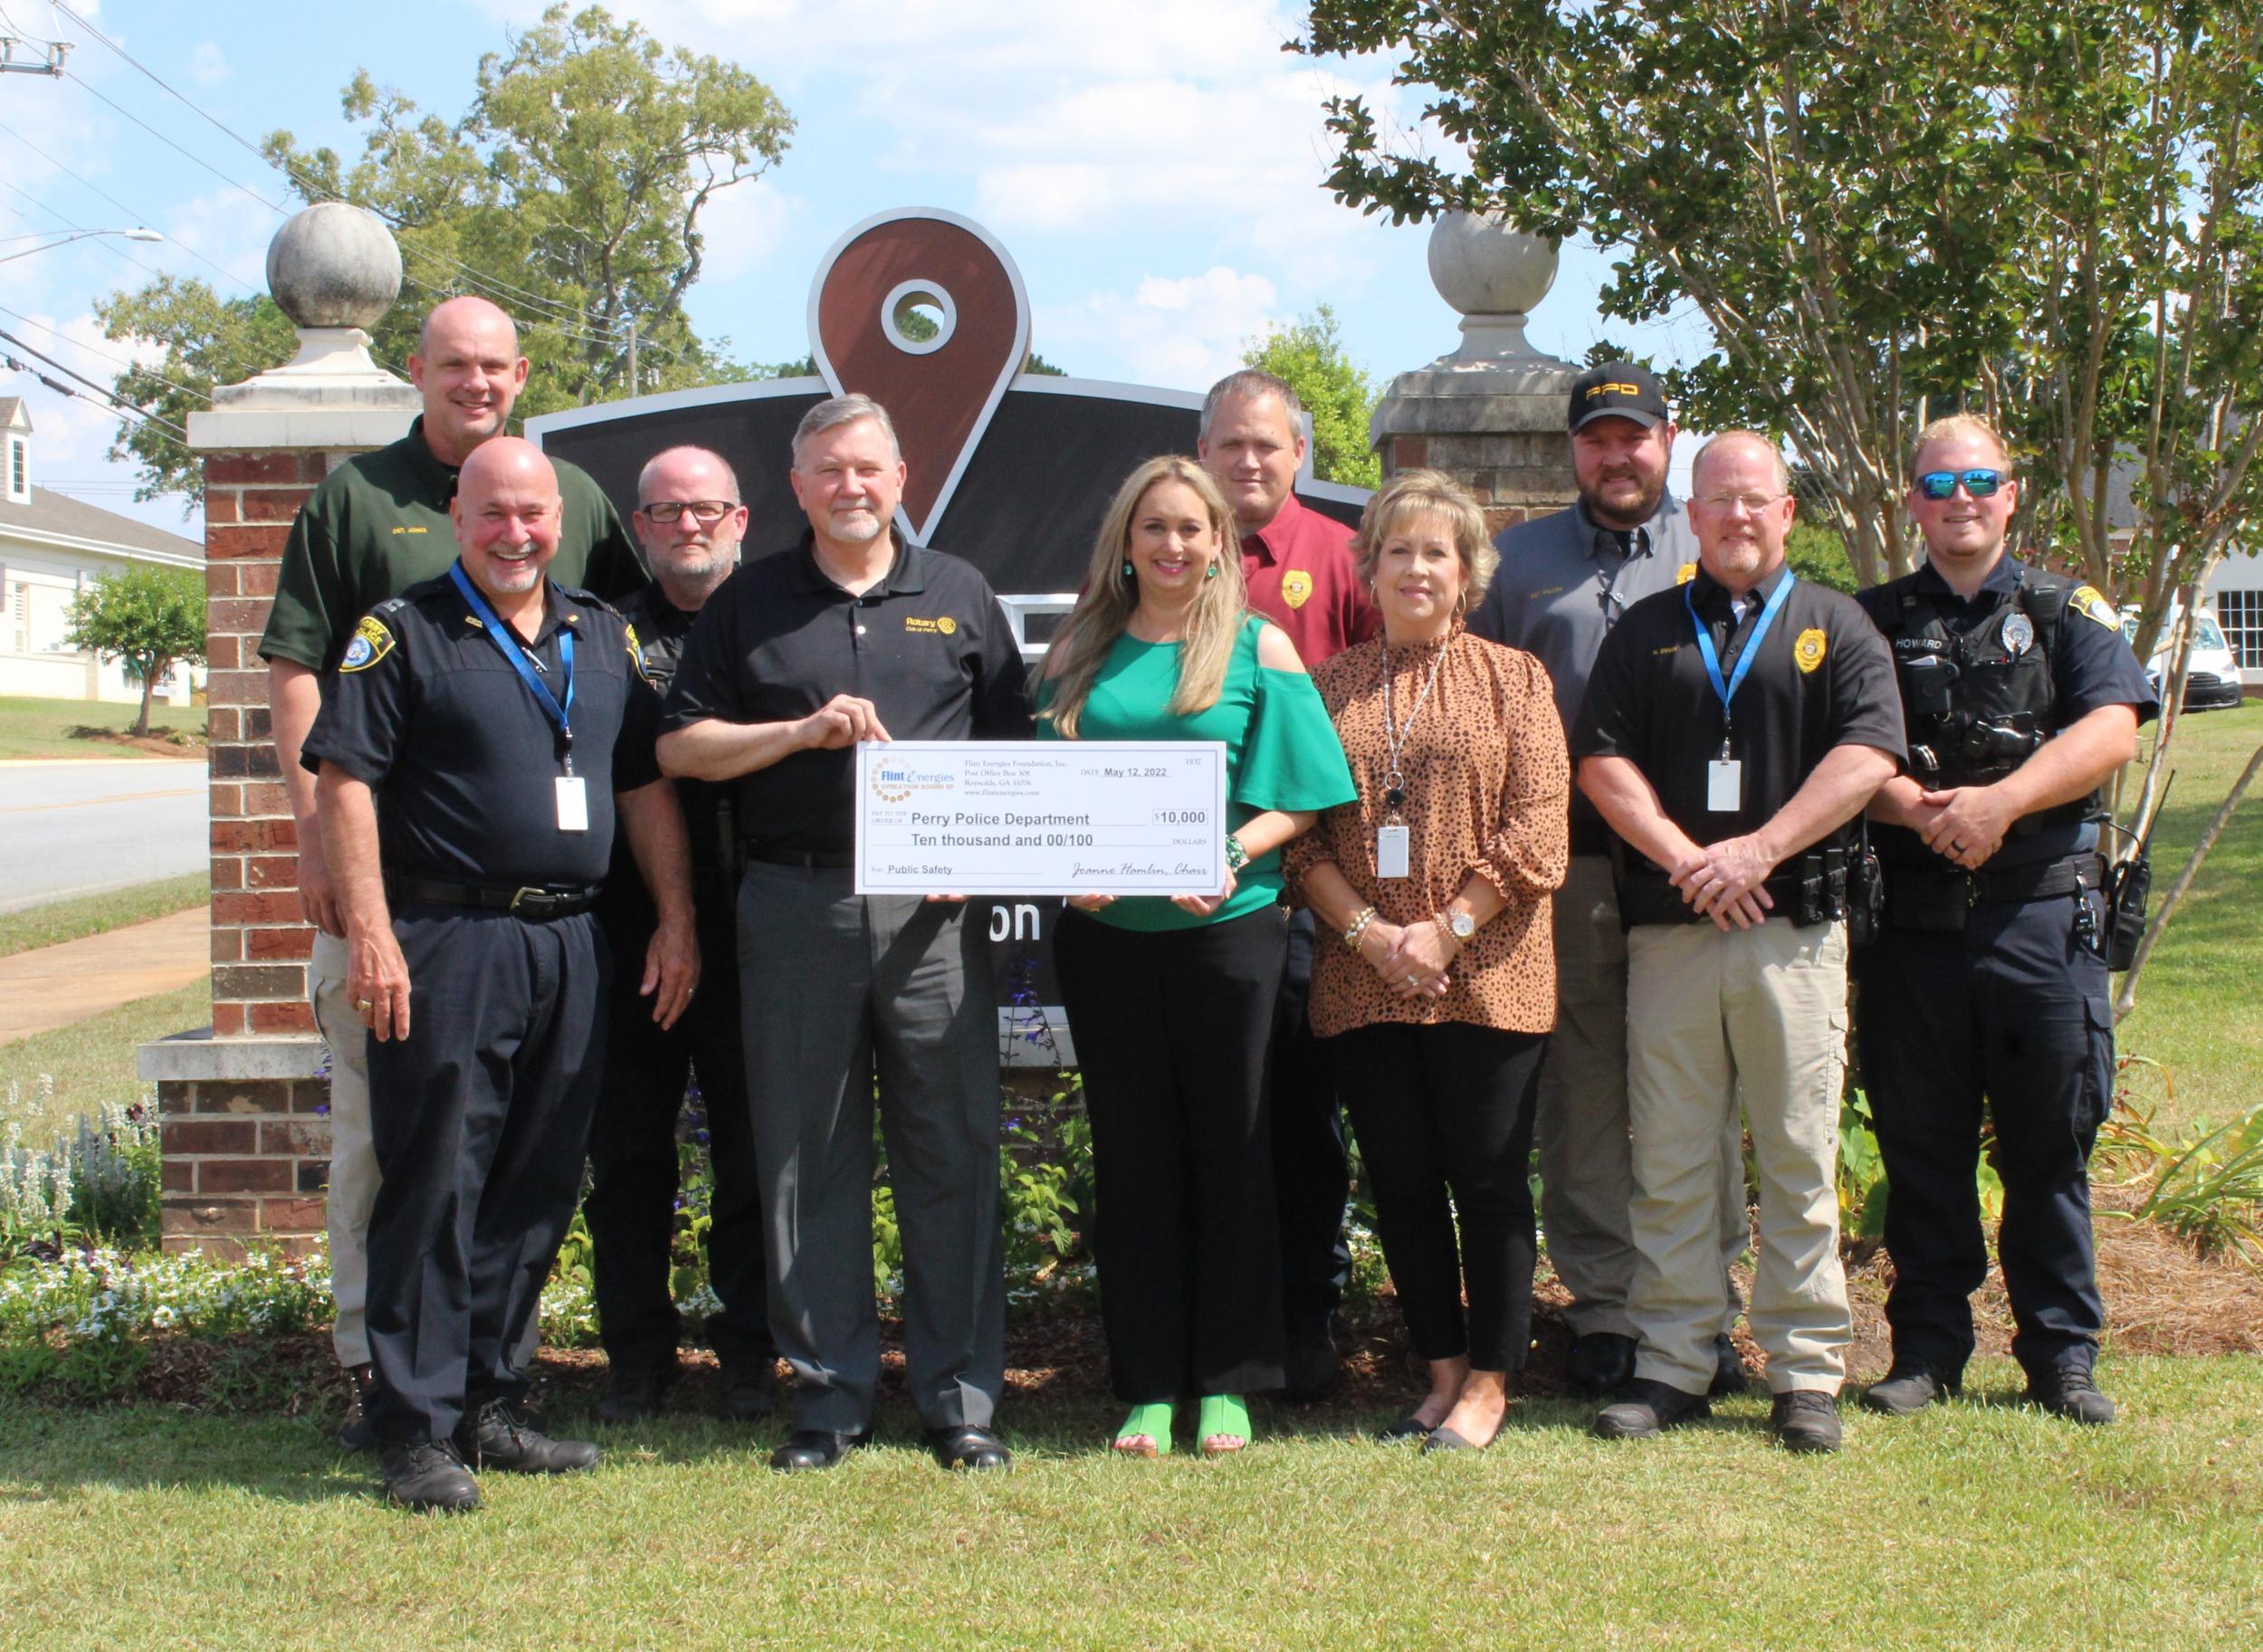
<point x="1460" y="925"/>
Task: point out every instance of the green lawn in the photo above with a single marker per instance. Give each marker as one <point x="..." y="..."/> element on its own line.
<point x="61" y="920"/>
<point x="1978" y="1525"/>
<point x="2198" y="1014"/>
<point x="35" y="728"/>
<point x="49" y="1080"/>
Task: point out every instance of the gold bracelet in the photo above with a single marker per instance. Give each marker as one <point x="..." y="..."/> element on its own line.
<point x="1358" y="927"/>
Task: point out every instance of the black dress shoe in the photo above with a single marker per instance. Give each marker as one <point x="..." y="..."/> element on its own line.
<point x="969" y="1446"/>
<point x="814" y="1448"/>
<point x="500" y="1436"/>
<point x="1805" y="1419"/>
<point x="1311" y="1371"/>
<point x="1728" y="1370"/>
<point x="428" y="1476"/>
<point x="1407" y="1427"/>
<point x="747" y="1391"/>
<point x="1647" y="1410"/>
<point x="2072" y="1392"/>
<point x="637" y="1392"/>
<point x="357" y="1434"/>
<point x="1601" y="1363"/>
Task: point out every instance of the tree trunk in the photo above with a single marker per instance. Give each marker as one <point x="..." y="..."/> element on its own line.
<point x="149" y="688"/>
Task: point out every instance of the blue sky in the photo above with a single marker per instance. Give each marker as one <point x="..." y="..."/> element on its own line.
<point x="1153" y="167"/>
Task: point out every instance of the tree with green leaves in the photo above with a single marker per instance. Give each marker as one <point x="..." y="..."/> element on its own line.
<point x="570" y="192"/>
<point x="152" y="619"/>
<point x="1309" y="355"/>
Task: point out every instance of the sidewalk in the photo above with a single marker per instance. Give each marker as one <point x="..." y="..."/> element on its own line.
<point x="56" y="986"/>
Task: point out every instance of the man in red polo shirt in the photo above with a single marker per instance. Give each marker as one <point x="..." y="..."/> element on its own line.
<point x="1298" y="564"/>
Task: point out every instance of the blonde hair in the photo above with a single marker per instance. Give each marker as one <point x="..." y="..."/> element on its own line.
<point x="1950" y="426"/>
<point x="1413" y="493"/>
<point x="1110" y="595"/>
<point x="1740" y="438"/>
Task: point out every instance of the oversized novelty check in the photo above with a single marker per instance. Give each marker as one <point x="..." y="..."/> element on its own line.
<point x="1046" y="817"/>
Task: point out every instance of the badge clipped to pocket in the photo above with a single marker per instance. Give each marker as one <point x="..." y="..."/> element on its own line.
<point x="1725" y="785"/>
<point x="1391" y="851"/>
<point x="573" y="803"/>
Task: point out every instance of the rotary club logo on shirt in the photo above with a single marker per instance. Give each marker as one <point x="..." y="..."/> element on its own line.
<point x="1297" y="587"/>
<point x="1808" y="652"/>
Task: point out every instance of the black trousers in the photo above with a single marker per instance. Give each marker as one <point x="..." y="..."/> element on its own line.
<point x="2012" y="1010"/>
<point x="479" y="1118"/>
<point x="1444" y="1115"/>
<point x="1170" y="1032"/>
<point x="631" y="1207"/>
<point x="1312" y="1169"/>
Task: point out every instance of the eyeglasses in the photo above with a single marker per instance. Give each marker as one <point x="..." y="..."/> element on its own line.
<point x="1943" y="484"/>
<point x="668" y="512"/>
<point x="1726" y="502"/>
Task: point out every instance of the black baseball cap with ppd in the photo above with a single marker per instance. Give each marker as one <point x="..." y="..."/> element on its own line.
<point x="1620" y="390"/>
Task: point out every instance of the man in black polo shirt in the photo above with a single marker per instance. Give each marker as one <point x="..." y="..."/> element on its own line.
<point x="472" y="752"/>
<point x="853" y="635"/>
<point x="689" y="520"/>
<point x="1732" y="729"/>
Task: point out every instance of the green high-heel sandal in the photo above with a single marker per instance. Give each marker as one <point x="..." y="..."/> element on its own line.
<point x="1146" y="1433"/>
<point x="1224" y="1426"/>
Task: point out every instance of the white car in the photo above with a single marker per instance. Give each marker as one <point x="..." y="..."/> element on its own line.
<point x="2212" y="683"/>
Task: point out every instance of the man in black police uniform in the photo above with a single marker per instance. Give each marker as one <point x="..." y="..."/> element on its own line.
<point x="377" y="525"/>
<point x="849" y="637"/>
<point x="1732" y="729"/>
<point x="1989" y="979"/>
<point x="690" y="521"/>
<point x="467" y="762"/>
<point x="1564" y="581"/>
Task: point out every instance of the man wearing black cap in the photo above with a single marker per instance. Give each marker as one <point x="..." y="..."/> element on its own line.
<point x="1564" y="581"/>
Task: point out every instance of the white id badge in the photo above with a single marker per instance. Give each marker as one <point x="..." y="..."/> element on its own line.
<point x="573" y="803"/>
<point x="1724" y="785"/>
<point x="1391" y="851"/>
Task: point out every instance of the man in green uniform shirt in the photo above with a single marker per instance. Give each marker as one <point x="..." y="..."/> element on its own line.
<point x="379" y="524"/>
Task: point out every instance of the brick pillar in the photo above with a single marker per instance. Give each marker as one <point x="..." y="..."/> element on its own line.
<point x="241" y="1103"/>
<point x="1490" y="413"/>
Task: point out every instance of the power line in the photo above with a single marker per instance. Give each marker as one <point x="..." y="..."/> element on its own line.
<point x="104" y="242"/>
<point x="110" y="400"/>
<point x="122" y="361"/>
<point x="81" y="84"/>
<point x="114" y="201"/>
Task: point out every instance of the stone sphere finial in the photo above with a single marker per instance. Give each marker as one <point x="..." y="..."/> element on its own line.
<point x="334" y="265"/>
<point x="1482" y="266"/>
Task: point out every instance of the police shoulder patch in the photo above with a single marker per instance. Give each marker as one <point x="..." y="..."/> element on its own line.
<point x="1686" y="573"/>
<point x="371" y="643"/>
<point x="636" y="654"/>
<point x="1809" y="650"/>
<point x="2086" y="601"/>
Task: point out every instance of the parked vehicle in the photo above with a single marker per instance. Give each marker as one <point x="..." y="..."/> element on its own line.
<point x="2212" y="683"/>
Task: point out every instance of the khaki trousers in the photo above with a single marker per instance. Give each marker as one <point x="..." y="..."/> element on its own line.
<point x="1586" y="1156"/>
<point x="1713" y="1014"/>
<point x="352" y="1191"/>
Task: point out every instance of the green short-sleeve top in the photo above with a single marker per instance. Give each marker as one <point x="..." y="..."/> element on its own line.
<point x="1281" y="753"/>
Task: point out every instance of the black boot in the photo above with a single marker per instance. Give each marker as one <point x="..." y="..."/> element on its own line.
<point x="500" y="1437"/>
<point x="637" y="1392"/>
<point x="1601" y="1363"/>
<point x="357" y="1434"/>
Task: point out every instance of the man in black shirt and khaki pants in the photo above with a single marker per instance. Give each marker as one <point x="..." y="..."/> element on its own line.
<point x="1732" y="729"/>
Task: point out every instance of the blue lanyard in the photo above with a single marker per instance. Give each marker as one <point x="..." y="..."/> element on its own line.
<point x="1727" y="692"/>
<point x="562" y="714"/>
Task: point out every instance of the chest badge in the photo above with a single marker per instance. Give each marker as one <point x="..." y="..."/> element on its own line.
<point x="1297" y="587"/>
<point x="2019" y="633"/>
<point x="1686" y="573"/>
<point x="1808" y="652"/>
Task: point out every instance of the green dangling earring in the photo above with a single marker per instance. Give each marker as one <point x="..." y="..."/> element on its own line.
<point x="1127" y="568"/>
<point x="1210" y="572"/>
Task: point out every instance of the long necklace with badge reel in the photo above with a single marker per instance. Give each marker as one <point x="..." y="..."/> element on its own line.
<point x="1391" y="836"/>
<point x="1724" y="776"/>
<point x="572" y="790"/>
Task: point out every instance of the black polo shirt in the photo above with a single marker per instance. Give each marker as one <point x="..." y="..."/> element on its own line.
<point x="428" y="713"/>
<point x="1823" y="678"/>
<point x="928" y="646"/>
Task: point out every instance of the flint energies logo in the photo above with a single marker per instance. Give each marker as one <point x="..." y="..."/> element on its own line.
<point x="893" y="781"/>
<point x="1297" y="587"/>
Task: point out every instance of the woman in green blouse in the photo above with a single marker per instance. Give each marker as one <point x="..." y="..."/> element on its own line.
<point x="1170" y="1000"/>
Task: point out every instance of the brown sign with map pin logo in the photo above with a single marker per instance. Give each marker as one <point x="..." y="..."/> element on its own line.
<point x="940" y="381"/>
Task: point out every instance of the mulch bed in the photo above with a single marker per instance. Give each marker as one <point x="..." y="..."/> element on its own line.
<point x="2161" y="1299"/>
<point x="154" y="744"/>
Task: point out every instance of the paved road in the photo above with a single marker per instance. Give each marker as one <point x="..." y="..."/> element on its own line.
<point x="76" y="829"/>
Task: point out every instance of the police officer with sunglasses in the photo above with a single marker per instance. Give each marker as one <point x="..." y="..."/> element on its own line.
<point x="1988" y="980"/>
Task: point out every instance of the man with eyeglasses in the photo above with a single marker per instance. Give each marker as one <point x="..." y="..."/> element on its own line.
<point x="1565" y="580"/>
<point x="1988" y="980"/>
<point x="1733" y="731"/>
<point x="689" y="520"/>
<point x="378" y="524"/>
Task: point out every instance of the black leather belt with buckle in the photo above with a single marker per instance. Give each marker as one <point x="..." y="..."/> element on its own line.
<point x="535" y="905"/>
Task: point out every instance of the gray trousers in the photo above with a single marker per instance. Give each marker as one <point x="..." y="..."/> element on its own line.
<point x="838" y="990"/>
<point x="1587" y="1182"/>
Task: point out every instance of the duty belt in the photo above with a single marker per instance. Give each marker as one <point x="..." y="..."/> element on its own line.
<point x="1918" y="898"/>
<point x="537" y="905"/>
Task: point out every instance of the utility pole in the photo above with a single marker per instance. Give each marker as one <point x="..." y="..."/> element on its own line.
<point x="48" y="60"/>
<point x="632" y="355"/>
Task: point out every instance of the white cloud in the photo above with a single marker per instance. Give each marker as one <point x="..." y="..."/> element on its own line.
<point x="71" y="434"/>
<point x="207" y="64"/>
<point x="1184" y="332"/>
<point x="744" y="224"/>
<point x="226" y="231"/>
